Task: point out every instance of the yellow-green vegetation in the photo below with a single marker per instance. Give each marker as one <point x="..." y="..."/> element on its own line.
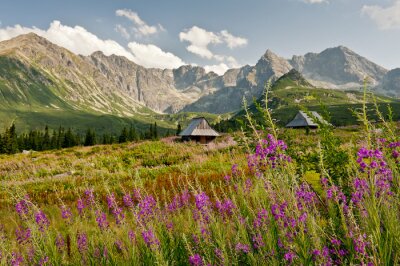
<point x="321" y="197"/>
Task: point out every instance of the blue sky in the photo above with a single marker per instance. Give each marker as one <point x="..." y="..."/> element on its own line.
<point x="216" y="34"/>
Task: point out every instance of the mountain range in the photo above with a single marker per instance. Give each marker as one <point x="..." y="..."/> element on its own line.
<point x="39" y="76"/>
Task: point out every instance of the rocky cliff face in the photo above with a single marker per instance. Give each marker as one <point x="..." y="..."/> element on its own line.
<point x="35" y="71"/>
<point x="338" y="67"/>
<point x="43" y="71"/>
<point x="247" y="82"/>
<point x="391" y="83"/>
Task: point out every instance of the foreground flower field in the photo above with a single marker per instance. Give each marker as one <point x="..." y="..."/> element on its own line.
<point x="267" y="206"/>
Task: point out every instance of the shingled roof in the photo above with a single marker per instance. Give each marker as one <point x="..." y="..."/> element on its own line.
<point x="199" y="127"/>
<point x="302" y="119"/>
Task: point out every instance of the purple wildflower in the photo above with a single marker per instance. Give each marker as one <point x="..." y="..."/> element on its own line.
<point x="60" y="243"/>
<point x="23" y="235"/>
<point x="66" y="213"/>
<point x="16" y="259"/>
<point x="22" y="207"/>
<point x="119" y="245"/>
<point x="44" y="261"/>
<point x="225" y="207"/>
<point x="289" y="256"/>
<point x="335" y="242"/>
<point x="150" y="239"/>
<point x="128" y="201"/>
<point x="242" y="248"/>
<point x="196" y="260"/>
<point x="80" y="205"/>
<point x="42" y="221"/>
<point x="147" y="208"/>
<point x="262" y="219"/>
<point x="258" y="241"/>
<point x="101" y="220"/>
<point x="305" y="197"/>
<point x="202" y="201"/>
<point x="82" y="242"/>
<point x="116" y="211"/>
<point x="132" y="236"/>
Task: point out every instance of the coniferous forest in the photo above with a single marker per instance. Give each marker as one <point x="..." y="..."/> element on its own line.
<point x="52" y="139"/>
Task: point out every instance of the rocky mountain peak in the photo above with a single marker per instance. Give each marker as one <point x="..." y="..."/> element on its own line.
<point x="338" y="66"/>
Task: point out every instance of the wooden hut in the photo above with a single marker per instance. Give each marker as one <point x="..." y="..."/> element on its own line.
<point x="199" y="130"/>
<point x="303" y="120"/>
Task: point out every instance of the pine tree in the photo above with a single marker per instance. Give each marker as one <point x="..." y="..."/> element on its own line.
<point x="46" y="139"/>
<point x="90" y="138"/>
<point x="178" y="129"/>
<point x="155" y="131"/>
<point x="124" y="136"/>
<point x="132" y="134"/>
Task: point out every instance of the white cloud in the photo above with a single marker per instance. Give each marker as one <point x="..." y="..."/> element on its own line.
<point x="140" y="28"/>
<point x="76" y="39"/>
<point x="80" y="41"/>
<point x="233" y="41"/>
<point x="149" y="55"/>
<point x="200" y="39"/>
<point x="315" y="1"/>
<point x="220" y="69"/>
<point x="123" y="31"/>
<point x="385" y="17"/>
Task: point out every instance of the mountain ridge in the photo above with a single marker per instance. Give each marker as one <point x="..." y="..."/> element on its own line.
<point x="116" y="85"/>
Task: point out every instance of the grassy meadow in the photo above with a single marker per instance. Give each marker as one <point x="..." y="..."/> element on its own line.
<point x="264" y="196"/>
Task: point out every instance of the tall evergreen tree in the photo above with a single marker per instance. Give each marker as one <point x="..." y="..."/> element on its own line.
<point x="90" y="138"/>
<point x="124" y="136"/>
<point x="178" y="129"/>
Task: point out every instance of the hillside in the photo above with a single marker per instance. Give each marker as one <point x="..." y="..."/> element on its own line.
<point x="42" y="83"/>
<point x="292" y="92"/>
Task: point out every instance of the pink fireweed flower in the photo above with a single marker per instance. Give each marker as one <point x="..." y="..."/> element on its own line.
<point x="360" y="245"/>
<point x="82" y="242"/>
<point x="242" y="248"/>
<point x="196" y="260"/>
<point x="16" y="259"/>
<point x="80" y="205"/>
<point x="116" y="211"/>
<point x="23" y="235"/>
<point x="101" y="220"/>
<point x="89" y="198"/>
<point x="225" y="207"/>
<point x="23" y="207"/>
<point x="268" y="152"/>
<point x="336" y="242"/>
<point x="42" y="221"/>
<point x="235" y="170"/>
<point x="150" y="239"/>
<point x="218" y="253"/>
<point x="261" y="219"/>
<point x="147" y="208"/>
<point x="258" y="241"/>
<point x="227" y="178"/>
<point x="132" y="236"/>
<point x="202" y="201"/>
<point x="119" y="245"/>
<point x="44" y="261"/>
<point x="361" y="188"/>
<point x="60" y="243"/>
<point x="289" y="256"/>
<point x="305" y="196"/>
<point x="66" y="213"/>
<point x="128" y="201"/>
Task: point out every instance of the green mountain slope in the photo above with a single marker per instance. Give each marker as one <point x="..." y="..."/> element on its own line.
<point x="292" y="92"/>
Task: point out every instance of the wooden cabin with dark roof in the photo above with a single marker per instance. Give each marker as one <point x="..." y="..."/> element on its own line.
<point x="304" y="120"/>
<point x="199" y="130"/>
